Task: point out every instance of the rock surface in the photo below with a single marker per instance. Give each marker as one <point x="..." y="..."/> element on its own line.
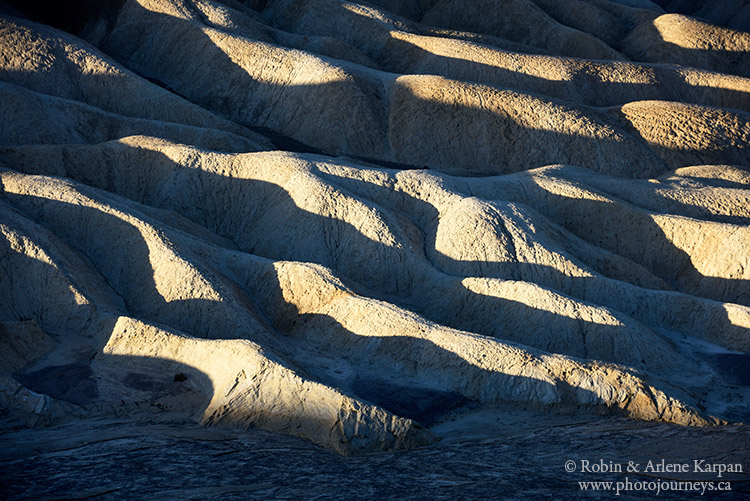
<point x="347" y="222"/>
<point x="521" y="456"/>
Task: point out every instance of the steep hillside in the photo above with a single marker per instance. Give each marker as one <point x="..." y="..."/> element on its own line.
<point x="351" y="222"/>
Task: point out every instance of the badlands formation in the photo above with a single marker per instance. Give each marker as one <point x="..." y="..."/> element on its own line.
<point x="349" y="222"/>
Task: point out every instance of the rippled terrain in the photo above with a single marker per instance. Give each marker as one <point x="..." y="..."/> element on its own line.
<point x="452" y="228"/>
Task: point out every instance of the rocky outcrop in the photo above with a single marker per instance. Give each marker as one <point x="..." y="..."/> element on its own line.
<point x="344" y="221"/>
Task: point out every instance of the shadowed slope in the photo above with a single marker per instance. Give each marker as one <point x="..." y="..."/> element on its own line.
<point x="423" y="234"/>
<point x="311" y="295"/>
<point x="467" y="127"/>
<point x="48" y="61"/>
<point x="501" y="225"/>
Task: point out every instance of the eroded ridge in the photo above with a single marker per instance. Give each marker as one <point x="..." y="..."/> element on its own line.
<point x="347" y="221"/>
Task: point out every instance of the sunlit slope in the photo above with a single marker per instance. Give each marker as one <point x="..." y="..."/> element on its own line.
<point x="346" y="221"/>
<point x="420" y="120"/>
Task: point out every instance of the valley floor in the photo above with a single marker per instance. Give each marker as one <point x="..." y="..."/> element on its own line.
<point x="516" y="455"/>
